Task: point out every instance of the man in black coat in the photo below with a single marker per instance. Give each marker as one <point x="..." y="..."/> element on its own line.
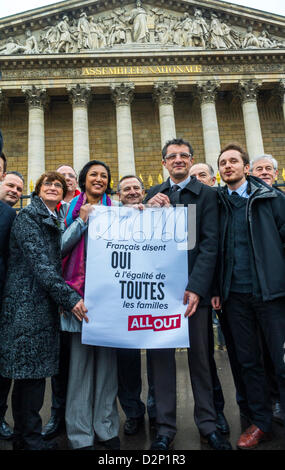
<point x="180" y="188"/>
<point x="252" y="281"/>
<point x="7" y="215"/>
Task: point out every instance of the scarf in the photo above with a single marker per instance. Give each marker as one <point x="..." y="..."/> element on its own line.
<point x="73" y="265"/>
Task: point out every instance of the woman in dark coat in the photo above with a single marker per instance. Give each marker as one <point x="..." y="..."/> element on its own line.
<point x="29" y="321"/>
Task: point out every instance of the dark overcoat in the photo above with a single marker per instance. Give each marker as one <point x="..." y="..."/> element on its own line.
<point x="7" y="215"/>
<point x="202" y="258"/>
<point x="34" y="290"/>
<point x="265" y="219"/>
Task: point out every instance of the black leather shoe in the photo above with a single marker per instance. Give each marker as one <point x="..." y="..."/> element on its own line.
<point x="113" y="444"/>
<point x="216" y="441"/>
<point x="277" y="413"/>
<point x="54" y="427"/>
<point x="18" y="444"/>
<point x="132" y="425"/>
<point x="222" y="424"/>
<point x="6" y="432"/>
<point x="161" y="443"/>
<point x="45" y="446"/>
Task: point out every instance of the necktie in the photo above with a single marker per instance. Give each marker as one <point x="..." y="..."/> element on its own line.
<point x="237" y="200"/>
<point x="175" y="188"/>
<point x="174" y="195"/>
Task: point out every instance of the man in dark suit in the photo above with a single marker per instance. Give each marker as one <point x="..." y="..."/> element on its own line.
<point x="7" y="215"/>
<point x="181" y="188"/>
<point x="131" y="192"/>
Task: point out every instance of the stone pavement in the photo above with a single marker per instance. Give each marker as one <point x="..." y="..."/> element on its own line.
<point x="187" y="437"/>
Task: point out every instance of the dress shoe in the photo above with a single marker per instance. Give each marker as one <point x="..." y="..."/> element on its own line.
<point x="45" y="446"/>
<point x="252" y="436"/>
<point x="222" y="424"/>
<point x="216" y="441"/>
<point x="85" y="448"/>
<point x="6" y="432"/>
<point x="113" y="444"/>
<point x="161" y="443"/>
<point x="132" y="425"/>
<point x="277" y="413"/>
<point x="54" y="427"/>
<point x="18" y="444"/>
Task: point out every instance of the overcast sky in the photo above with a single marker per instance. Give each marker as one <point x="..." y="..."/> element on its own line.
<point x="17" y="6"/>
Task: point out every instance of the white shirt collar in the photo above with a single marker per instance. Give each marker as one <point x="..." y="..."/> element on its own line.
<point x="182" y="184"/>
<point x="241" y="190"/>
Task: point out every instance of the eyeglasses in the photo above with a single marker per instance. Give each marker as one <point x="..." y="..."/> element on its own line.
<point x="68" y="175"/>
<point x="182" y="155"/>
<point x="49" y="184"/>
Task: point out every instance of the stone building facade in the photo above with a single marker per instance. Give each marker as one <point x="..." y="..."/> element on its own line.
<point x="114" y="79"/>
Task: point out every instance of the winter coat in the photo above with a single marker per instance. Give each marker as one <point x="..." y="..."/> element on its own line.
<point x="202" y="258"/>
<point x="7" y="215"/>
<point x="265" y="218"/>
<point x="34" y="290"/>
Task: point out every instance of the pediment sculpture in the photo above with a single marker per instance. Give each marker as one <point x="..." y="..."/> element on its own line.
<point x="139" y="24"/>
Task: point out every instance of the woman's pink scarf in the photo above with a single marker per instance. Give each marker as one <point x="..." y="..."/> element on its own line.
<point x="73" y="265"/>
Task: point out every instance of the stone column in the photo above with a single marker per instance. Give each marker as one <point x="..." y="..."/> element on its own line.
<point x="122" y="95"/>
<point x="248" y="90"/>
<point x="37" y="99"/>
<point x="164" y="94"/>
<point x="281" y="92"/>
<point x="3" y="100"/>
<point x="207" y="92"/>
<point x="80" y="96"/>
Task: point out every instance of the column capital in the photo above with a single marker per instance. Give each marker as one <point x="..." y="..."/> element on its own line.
<point x="164" y="92"/>
<point x="36" y="96"/>
<point x="123" y="93"/>
<point x="248" y="90"/>
<point x="206" y="91"/>
<point x="79" y="95"/>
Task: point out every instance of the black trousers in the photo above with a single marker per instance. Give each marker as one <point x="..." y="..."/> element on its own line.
<point x="130" y="383"/>
<point x="245" y="314"/>
<point x="219" y="401"/>
<point x="164" y="377"/>
<point x="5" y="385"/>
<point x="27" y="401"/>
<point x="60" y="380"/>
<point x="241" y="396"/>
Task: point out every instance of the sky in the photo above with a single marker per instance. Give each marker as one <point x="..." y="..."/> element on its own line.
<point x="18" y="6"/>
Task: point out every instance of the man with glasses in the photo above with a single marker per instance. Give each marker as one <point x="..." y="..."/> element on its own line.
<point x="180" y="188"/>
<point x="71" y="181"/>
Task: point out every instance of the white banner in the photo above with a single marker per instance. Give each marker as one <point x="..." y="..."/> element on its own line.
<point x="136" y="274"/>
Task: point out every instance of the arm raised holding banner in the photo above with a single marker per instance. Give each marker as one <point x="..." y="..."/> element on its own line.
<point x="88" y="365"/>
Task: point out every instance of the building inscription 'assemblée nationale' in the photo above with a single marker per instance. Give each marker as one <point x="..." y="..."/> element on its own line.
<point x="115" y="79"/>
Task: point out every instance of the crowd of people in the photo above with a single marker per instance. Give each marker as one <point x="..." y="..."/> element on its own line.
<point x="237" y="269"/>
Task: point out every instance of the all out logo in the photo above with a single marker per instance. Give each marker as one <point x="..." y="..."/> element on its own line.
<point x="149" y="322"/>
